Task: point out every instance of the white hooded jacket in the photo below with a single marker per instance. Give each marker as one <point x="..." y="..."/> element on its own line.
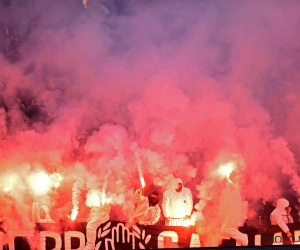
<point x="231" y="211"/>
<point x="177" y="204"/>
<point x="278" y="213"/>
<point x="97" y="216"/>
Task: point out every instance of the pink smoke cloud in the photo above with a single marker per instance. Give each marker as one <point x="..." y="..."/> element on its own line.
<point x="187" y="85"/>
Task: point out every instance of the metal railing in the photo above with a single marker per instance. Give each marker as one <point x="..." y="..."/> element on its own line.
<point x="180" y="222"/>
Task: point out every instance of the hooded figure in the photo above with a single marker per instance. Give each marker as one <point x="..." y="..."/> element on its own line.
<point x="97" y="216"/>
<point x="278" y="214"/>
<point x="147" y="211"/>
<point x="177" y="204"/>
<point x="231" y="213"/>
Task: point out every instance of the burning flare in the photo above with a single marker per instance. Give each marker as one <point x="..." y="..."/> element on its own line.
<point x="92" y="199"/>
<point x="142" y="180"/>
<point x="40" y="183"/>
<point x="226" y="169"/>
<point x="187" y="223"/>
<point x="75" y="199"/>
<point x="74" y="213"/>
<point x="138" y="162"/>
<point x="103" y="198"/>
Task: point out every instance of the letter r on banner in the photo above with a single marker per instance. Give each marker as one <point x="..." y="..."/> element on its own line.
<point x="74" y="234"/>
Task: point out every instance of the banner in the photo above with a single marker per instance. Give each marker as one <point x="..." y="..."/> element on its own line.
<point x="115" y="235"/>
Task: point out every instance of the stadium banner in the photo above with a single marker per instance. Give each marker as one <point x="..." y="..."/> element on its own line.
<point x="116" y="235"/>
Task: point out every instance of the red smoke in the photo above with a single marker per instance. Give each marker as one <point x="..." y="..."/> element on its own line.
<point x="189" y="85"/>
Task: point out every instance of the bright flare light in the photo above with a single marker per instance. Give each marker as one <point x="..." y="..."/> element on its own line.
<point x="103" y="198"/>
<point x="142" y="180"/>
<point x="7" y="189"/>
<point x="74" y="214"/>
<point x="92" y="199"/>
<point x="40" y="183"/>
<point x="187" y="223"/>
<point x="226" y="169"/>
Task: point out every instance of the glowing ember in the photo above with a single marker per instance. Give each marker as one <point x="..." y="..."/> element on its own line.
<point x="226" y="169"/>
<point x="40" y="183"/>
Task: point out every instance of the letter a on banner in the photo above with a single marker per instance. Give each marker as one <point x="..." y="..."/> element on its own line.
<point x="297" y="237"/>
<point x="195" y="241"/>
<point x="53" y="235"/>
<point x="74" y="234"/>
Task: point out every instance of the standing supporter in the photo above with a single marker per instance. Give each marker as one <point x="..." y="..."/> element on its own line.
<point x="177" y="204"/>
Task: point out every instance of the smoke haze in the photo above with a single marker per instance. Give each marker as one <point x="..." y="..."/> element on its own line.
<point x="188" y="85"/>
